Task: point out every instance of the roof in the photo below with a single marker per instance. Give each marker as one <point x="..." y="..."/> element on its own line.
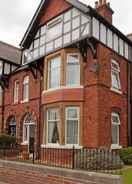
<point x="129" y="36"/>
<point x="10" y="53"/>
<point x="79" y="5"/>
<point x="75" y="3"/>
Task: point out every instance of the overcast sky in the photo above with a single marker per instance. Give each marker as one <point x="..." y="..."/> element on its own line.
<point x="15" y="16"/>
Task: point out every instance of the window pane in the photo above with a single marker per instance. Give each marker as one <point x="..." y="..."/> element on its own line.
<point x="75" y="34"/>
<point x="54" y="73"/>
<point x="116" y="43"/>
<point x="36" y="43"/>
<point x="67" y="16"/>
<point x="54" y="31"/>
<point x="115" y="134"/>
<point x="53" y="131"/>
<point x="16" y="91"/>
<point x="73" y="71"/>
<point x="121" y="46"/>
<point x="85" y="30"/>
<point x="72" y="126"/>
<point x="1" y="67"/>
<point x="43" y="30"/>
<point x="67" y="38"/>
<point x="103" y="34"/>
<point x="49" y="47"/>
<point x="109" y="39"/>
<point x="72" y="132"/>
<point x="26" y="89"/>
<point x="42" y="50"/>
<point x="58" y="43"/>
<point x="126" y="50"/>
<point x="84" y="19"/>
<point x="42" y="40"/>
<point x="7" y="68"/>
<point x="75" y="22"/>
<point x="67" y="27"/>
<point x="115" y="80"/>
<point x="95" y="28"/>
<point x="75" y="12"/>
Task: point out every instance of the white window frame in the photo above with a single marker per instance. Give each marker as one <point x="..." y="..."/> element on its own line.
<point x="58" y="121"/>
<point x="75" y="85"/>
<point x="16" y="91"/>
<point x="115" y="114"/>
<point x="117" y="72"/>
<point x="26" y="82"/>
<point x="78" y="112"/>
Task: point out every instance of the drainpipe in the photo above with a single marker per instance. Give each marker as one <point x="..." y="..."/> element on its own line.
<point x="129" y="106"/>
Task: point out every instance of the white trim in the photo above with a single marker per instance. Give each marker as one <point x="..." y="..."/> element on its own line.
<point x="78" y="111"/>
<point x="116" y="90"/>
<point x="116" y="146"/>
<point x="58" y="146"/>
<point x="61" y="88"/>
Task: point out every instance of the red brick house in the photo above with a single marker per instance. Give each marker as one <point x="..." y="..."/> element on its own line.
<point x="72" y="86"/>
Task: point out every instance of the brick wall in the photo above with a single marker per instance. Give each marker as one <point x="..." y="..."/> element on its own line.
<point x="26" y="173"/>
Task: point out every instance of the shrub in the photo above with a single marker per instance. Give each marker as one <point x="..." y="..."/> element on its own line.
<point x="126" y="155"/>
<point x="7" y="141"/>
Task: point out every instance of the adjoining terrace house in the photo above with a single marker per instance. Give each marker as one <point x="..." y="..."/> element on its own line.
<point x="72" y="85"/>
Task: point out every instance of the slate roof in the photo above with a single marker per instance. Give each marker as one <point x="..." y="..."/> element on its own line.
<point x="10" y="53"/>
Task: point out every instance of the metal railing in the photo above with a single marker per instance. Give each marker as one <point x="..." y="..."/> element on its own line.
<point x="96" y="160"/>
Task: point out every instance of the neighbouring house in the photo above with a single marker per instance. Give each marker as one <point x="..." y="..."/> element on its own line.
<point x="71" y="86"/>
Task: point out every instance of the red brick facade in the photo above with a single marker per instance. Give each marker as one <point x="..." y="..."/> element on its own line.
<point x="96" y="99"/>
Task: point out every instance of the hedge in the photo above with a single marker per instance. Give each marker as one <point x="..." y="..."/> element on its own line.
<point x="126" y="155"/>
<point x="7" y="141"/>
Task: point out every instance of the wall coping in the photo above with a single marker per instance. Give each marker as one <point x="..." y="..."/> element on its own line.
<point x="100" y="178"/>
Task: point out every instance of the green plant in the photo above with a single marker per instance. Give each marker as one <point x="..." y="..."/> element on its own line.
<point x="126" y="155"/>
<point x="7" y="141"/>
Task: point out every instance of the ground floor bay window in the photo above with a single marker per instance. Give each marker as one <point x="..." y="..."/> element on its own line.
<point x="62" y="126"/>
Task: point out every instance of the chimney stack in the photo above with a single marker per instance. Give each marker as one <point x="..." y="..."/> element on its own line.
<point x="104" y="9"/>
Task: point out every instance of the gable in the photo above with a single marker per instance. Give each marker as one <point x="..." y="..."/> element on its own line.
<point x="52" y="9"/>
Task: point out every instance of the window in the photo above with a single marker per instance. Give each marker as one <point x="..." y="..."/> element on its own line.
<point x="54" y="29"/>
<point x="12" y="126"/>
<point x="72" y="125"/>
<point x="1" y="67"/>
<point x="95" y="28"/>
<point x="1" y="96"/>
<point x="53" y="126"/>
<point x="26" y="89"/>
<point x="54" y="73"/>
<point x="6" y="69"/>
<point x="115" y="128"/>
<point x="115" y="73"/>
<point x="116" y="43"/>
<point x="109" y="38"/>
<point x="73" y="70"/>
<point x="103" y="33"/>
<point x="16" y="92"/>
<point x="28" y="129"/>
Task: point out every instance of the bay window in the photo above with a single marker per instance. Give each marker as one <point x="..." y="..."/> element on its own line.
<point x="16" y="91"/>
<point x="115" y="74"/>
<point x="53" y="125"/>
<point x="115" y="129"/>
<point x="54" y="73"/>
<point x="73" y="70"/>
<point x="26" y="89"/>
<point x="72" y="125"/>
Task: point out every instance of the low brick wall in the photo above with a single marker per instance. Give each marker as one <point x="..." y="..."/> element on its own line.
<point x="59" y="175"/>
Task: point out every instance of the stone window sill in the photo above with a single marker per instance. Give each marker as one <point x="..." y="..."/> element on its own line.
<point x="116" y="91"/>
<point x="58" y="146"/>
<point x="116" y="147"/>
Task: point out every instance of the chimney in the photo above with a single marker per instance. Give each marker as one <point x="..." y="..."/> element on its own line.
<point x="104" y="9"/>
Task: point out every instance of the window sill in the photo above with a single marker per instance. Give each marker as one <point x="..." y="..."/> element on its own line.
<point x="24" y="143"/>
<point x="24" y="101"/>
<point x="58" y="146"/>
<point x="116" y="91"/>
<point x="63" y="87"/>
<point x="114" y="146"/>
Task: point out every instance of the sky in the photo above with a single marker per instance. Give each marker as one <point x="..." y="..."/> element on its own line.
<point x="15" y="16"/>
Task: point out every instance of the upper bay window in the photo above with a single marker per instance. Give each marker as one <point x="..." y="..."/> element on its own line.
<point x="115" y="75"/>
<point x="63" y="70"/>
<point x="73" y="70"/>
<point x="26" y="89"/>
<point x="54" y="73"/>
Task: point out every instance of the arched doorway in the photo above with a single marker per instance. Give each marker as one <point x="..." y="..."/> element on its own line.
<point x="11" y="123"/>
<point x="29" y="131"/>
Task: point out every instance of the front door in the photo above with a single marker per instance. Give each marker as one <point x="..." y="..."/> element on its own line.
<point x="31" y="138"/>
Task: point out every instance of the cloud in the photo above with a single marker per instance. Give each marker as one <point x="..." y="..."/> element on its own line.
<point x="15" y="16"/>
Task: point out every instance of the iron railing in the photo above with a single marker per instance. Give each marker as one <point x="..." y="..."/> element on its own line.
<point x="96" y="160"/>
